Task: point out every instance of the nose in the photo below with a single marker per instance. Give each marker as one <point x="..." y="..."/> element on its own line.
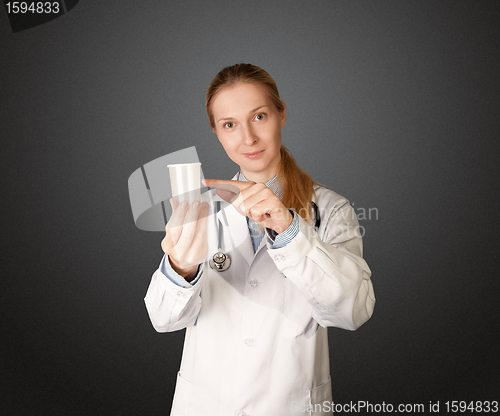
<point x="249" y="137"/>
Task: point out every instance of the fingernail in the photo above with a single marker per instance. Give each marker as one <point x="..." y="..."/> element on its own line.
<point x="196" y="204"/>
<point x="184" y="205"/>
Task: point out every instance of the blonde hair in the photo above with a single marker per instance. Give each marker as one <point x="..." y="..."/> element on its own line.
<point x="298" y="186"/>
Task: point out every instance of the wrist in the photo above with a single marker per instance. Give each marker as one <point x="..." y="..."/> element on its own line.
<point x="284" y="223"/>
<point x="188" y="273"/>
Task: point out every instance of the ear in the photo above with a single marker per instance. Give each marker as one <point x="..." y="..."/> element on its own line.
<point x="283" y="114"/>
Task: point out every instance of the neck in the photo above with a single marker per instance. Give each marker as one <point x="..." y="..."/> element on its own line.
<point x="262" y="177"/>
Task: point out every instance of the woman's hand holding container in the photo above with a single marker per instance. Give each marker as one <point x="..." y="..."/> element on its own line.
<point x="185" y="241"/>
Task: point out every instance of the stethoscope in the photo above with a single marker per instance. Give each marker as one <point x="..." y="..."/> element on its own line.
<point x="221" y="261"/>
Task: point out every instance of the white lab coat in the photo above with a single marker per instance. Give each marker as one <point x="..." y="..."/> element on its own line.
<point x="256" y="341"/>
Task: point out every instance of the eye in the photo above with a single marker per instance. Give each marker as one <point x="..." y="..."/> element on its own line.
<point x="228" y="125"/>
<point x="260" y="116"/>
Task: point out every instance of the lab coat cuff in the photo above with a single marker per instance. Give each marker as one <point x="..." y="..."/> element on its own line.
<point x="167" y="270"/>
<point x="170" y="306"/>
<point x="296" y="249"/>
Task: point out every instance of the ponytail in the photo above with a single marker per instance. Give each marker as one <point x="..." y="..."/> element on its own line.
<point x="298" y="186"/>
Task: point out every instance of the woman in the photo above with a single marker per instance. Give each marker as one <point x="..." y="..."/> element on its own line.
<point x="256" y="340"/>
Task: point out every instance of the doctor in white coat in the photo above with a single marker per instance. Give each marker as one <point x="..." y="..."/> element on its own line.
<point x="256" y="341"/>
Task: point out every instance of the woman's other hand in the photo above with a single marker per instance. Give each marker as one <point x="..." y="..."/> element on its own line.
<point x="185" y="241"/>
<point x="256" y="201"/>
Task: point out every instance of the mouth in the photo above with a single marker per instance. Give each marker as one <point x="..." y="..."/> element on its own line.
<point x="253" y="155"/>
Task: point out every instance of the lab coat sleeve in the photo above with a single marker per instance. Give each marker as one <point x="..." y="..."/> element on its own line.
<point x="330" y="272"/>
<point x="167" y="270"/>
<point x="172" y="307"/>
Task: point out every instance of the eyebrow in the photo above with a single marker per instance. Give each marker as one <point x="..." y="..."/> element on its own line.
<point x="251" y="111"/>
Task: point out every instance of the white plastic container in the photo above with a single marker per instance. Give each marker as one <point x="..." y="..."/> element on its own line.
<point x="185" y="182"/>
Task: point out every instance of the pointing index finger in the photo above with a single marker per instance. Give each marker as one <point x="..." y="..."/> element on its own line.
<point x="233" y="186"/>
<point x="227" y="190"/>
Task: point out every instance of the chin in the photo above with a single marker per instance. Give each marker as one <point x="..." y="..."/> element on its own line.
<point x="254" y="167"/>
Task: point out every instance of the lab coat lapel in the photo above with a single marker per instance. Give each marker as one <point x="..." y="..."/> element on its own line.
<point x="238" y="230"/>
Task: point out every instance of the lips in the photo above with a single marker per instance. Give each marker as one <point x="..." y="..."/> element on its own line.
<point x="253" y="155"/>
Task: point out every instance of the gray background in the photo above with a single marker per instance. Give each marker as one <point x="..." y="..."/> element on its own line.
<point x="393" y="104"/>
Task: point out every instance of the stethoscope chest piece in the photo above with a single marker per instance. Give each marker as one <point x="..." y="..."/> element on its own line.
<point x="220" y="262"/>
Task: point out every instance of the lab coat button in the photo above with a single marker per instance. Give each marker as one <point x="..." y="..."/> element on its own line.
<point x="180" y="294"/>
<point x="242" y="413"/>
<point x="249" y="342"/>
<point x="254" y="282"/>
<point x="279" y="258"/>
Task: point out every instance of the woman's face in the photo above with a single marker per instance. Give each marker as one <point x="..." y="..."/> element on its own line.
<point x="248" y="126"/>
